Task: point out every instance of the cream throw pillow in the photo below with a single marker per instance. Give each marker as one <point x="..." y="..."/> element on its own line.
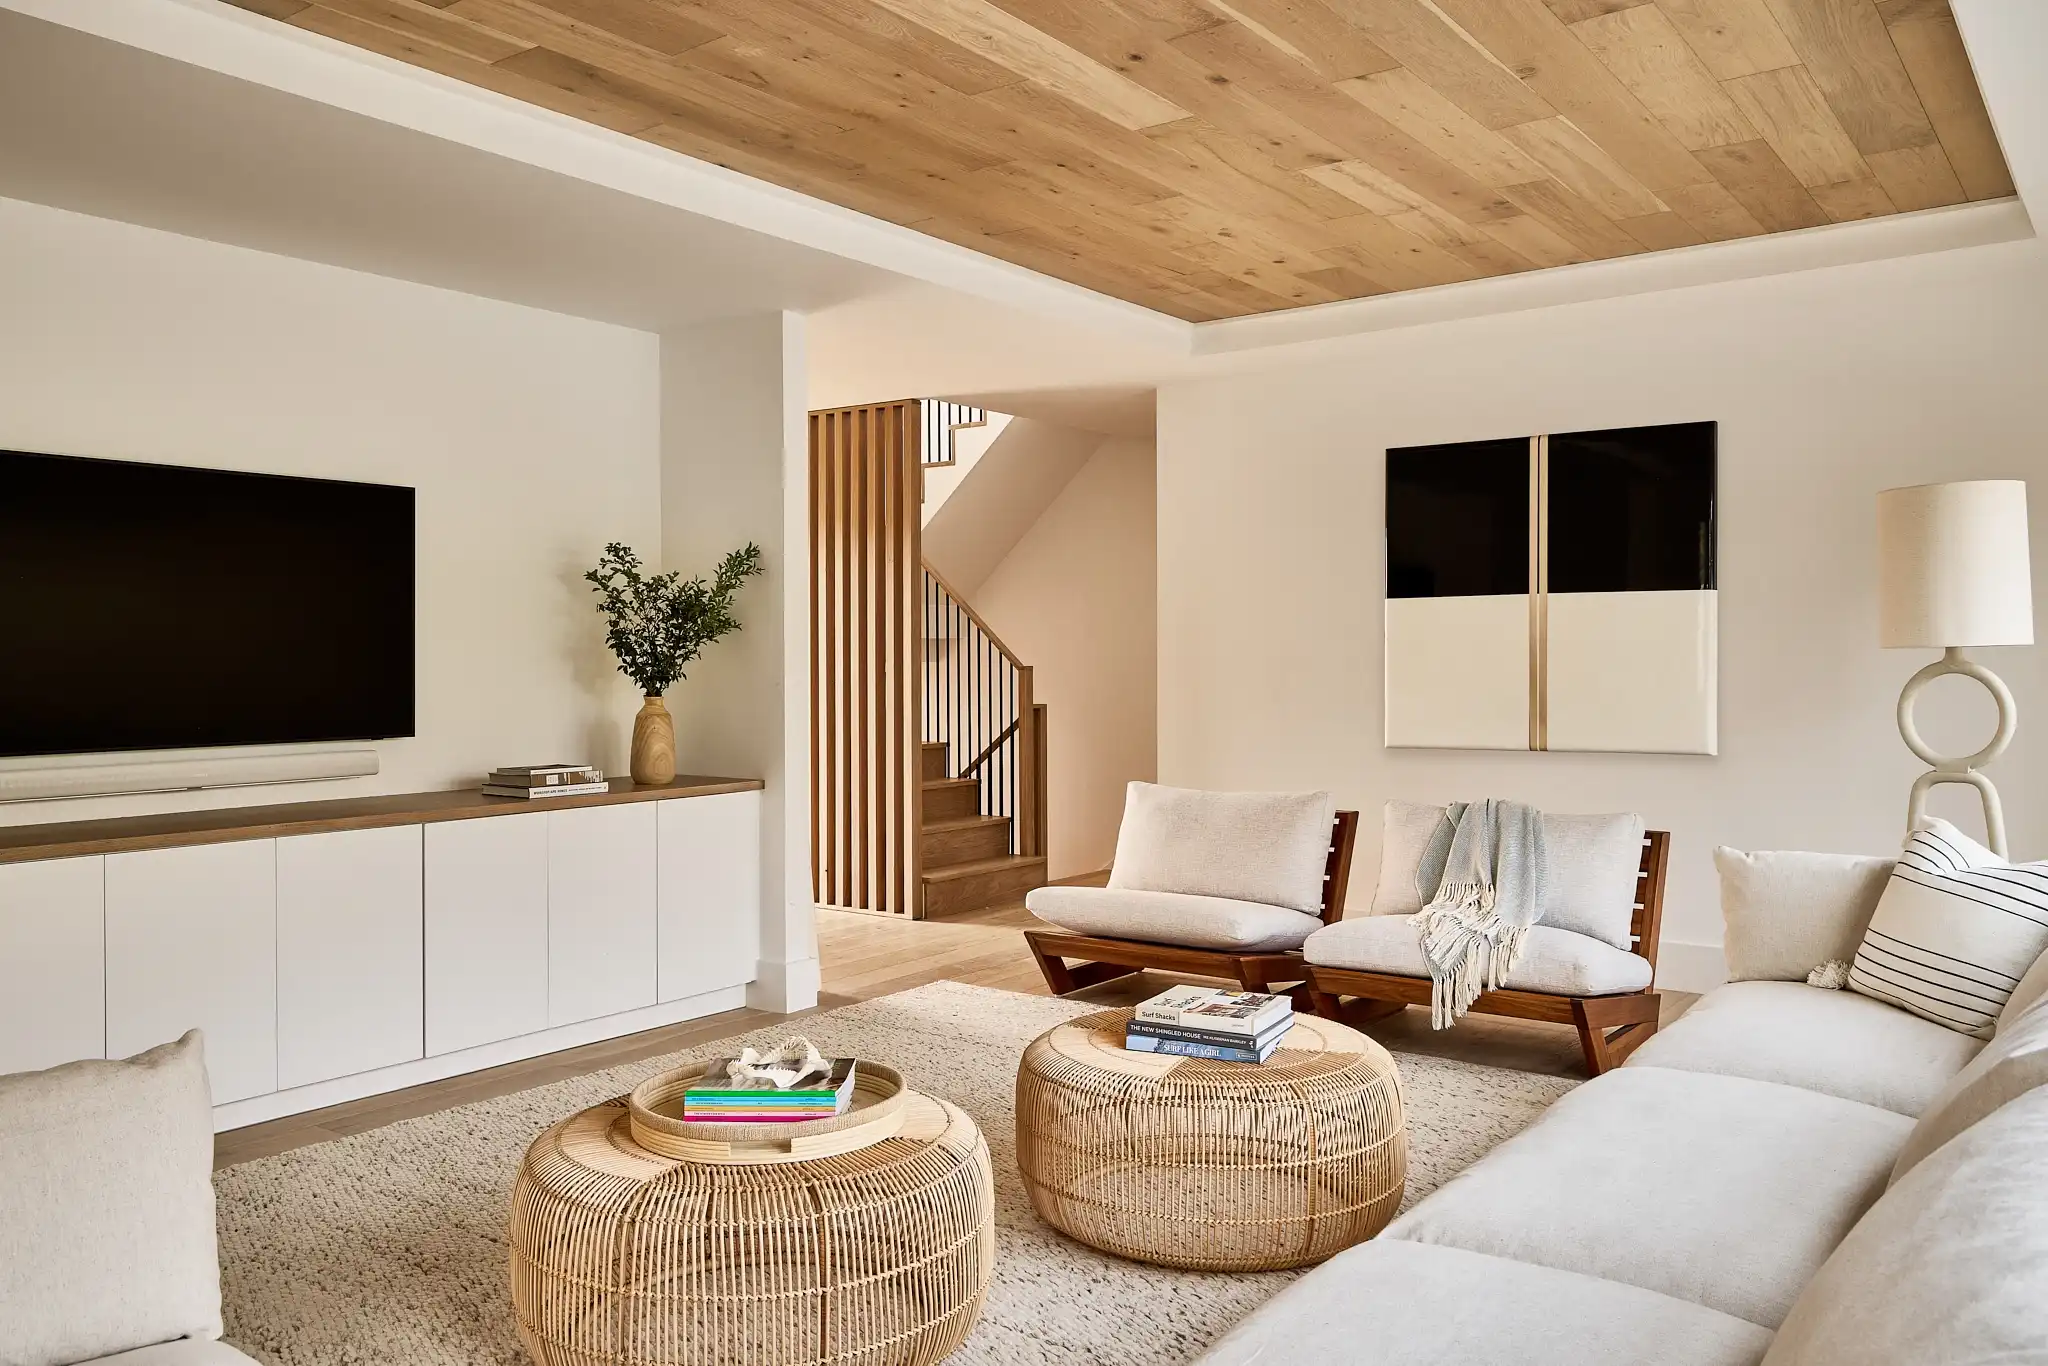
<point x="106" y="1203"/>
<point x="2032" y="988"/>
<point x="2011" y="1065"/>
<point x="1954" y="932"/>
<point x="1589" y="883"/>
<point x="1271" y="847"/>
<point x="1785" y="913"/>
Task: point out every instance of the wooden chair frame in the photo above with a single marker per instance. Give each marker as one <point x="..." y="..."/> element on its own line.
<point x="1100" y="959"/>
<point x="1610" y="1027"/>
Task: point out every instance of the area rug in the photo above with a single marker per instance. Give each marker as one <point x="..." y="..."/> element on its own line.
<point x="389" y="1246"/>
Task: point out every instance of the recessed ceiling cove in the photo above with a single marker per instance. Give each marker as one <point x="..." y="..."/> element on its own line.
<point x="1217" y="158"/>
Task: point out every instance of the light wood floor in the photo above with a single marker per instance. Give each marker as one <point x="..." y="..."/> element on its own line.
<point x="868" y="956"/>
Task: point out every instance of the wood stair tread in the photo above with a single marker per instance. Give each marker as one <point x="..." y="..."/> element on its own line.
<point x="1007" y="863"/>
<point x="963" y="823"/>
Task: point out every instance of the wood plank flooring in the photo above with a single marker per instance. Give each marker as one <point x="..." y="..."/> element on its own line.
<point x="866" y="956"/>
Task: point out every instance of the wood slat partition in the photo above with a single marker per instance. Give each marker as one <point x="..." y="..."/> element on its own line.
<point x="866" y="657"/>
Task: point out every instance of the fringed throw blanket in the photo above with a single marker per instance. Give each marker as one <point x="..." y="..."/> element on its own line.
<point x="1486" y="861"/>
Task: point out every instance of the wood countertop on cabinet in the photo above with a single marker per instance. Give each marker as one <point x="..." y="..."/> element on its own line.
<point x="173" y="829"/>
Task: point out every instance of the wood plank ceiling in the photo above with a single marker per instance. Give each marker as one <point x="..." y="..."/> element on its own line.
<point x="1215" y="158"/>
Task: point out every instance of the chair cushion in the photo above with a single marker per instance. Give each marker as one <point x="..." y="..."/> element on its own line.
<point x="183" y="1352"/>
<point x="1725" y="1192"/>
<point x="1589" y="878"/>
<point x="1955" y="931"/>
<point x="1413" y="1302"/>
<point x="1552" y="960"/>
<point x="1195" y="922"/>
<point x="2011" y="1065"/>
<point x="1788" y="912"/>
<point x="1271" y="847"/>
<point x="1951" y="1266"/>
<point x="106" y="1207"/>
<point x="1834" y="1042"/>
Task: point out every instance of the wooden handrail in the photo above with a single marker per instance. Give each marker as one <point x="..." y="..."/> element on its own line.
<point x="986" y="754"/>
<point x="973" y="616"/>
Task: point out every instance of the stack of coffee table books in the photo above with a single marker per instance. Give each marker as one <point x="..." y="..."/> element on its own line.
<point x="1208" y="1022"/>
<point x="718" y="1098"/>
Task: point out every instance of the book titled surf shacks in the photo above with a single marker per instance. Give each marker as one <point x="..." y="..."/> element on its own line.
<point x="1203" y="1022"/>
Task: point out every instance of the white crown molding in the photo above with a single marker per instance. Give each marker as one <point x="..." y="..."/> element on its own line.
<point x="218" y="37"/>
<point x="1747" y="258"/>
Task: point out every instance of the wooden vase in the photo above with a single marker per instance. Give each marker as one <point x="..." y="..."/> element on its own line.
<point x="654" y="743"/>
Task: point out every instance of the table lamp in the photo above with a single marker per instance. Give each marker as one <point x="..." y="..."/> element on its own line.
<point x="1953" y="572"/>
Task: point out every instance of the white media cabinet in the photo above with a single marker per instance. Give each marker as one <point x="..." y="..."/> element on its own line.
<point x="340" y="949"/>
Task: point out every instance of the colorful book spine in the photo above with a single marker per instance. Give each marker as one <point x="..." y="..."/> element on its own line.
<point x="1182" y="1048"/>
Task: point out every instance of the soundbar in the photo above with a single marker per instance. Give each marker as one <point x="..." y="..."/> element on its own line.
<point x="183" y="775"/>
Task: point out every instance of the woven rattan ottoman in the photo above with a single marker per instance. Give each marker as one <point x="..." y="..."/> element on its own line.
<point x="868" y="1238"/>
<point x="1213" y="1166"/>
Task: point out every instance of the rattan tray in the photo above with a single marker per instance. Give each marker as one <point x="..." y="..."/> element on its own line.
<point x="876" y="1112"/>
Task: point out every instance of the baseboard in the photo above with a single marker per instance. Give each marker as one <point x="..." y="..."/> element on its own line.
<point x="785" y="987"/>
<point x="319" y="1095"/>
<point x="1690" y="967"/>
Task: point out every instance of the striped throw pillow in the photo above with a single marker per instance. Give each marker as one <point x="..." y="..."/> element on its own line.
<point x="1954" y="932"/>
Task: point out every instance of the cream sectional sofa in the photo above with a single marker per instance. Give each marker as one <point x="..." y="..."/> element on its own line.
<point x="1720" y="1200"/>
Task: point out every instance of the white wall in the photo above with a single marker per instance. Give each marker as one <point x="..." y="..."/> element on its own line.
<point x="532" y="439"/>
<point x="735" y="461"/>
<point x="1828" y="386"/>
<point x="1077" y="600"/>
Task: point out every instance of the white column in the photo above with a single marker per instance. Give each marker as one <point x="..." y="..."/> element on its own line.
<point x="735" y="468"/>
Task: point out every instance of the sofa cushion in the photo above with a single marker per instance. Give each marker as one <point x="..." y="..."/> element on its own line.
<point x="2011" y="1065"/>
<point x="183" y="1352"/>
<point x="1589" y="876"/>
<point x="1834" y="1042"/>
<point x="106" y="1207"/>
<point x="1726" y="1192"/>
<point x="1272" y="847"/>
<point x="1442" y="1306"/>
<point x="1201" y="922"/>
<point x="1786" y="912"/>
<point x="1955" y="931"/>
<point x="1951" y="1266"/>
<point x="1551" y="960"/>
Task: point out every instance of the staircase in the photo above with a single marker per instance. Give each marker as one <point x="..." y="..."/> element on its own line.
<point x="964" y="859"/>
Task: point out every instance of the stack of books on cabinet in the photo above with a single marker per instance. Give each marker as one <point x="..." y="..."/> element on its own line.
<point x="719" y="1098"/>
<point x="1206" y="1022"/>
<point x="545" y="780"/>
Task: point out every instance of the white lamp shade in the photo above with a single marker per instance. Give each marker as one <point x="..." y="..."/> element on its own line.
<point x="1953" y="566"/>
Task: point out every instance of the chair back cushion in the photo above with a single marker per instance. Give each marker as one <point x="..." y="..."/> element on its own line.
<point x="1272" y="847"/>
<point x="1950" y="1266"/>
<point x="1589" y="883"/>
<point x="1954" y="932"/>
<point x="2032" y="988"/>
<point x="106" y="1207"/>
<point x="2011" y="1065"/>
<point x="1786" y="912"/>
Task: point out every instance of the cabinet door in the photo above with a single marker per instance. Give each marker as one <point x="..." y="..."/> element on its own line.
<point x="349" y="958"/>
<point x="601" y="936"/>
<point x="710" y="892"/>
<point x="192" y="943"/>
<point x="52" y="948"/>
<point x="487" y="930"/>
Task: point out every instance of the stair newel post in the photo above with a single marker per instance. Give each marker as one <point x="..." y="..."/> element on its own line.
<point x="1030" y="777"/>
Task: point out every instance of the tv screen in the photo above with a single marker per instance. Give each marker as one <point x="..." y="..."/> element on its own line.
<point x="158" y="607"/>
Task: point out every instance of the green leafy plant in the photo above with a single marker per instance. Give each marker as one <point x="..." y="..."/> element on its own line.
<point x="657" y="623"/>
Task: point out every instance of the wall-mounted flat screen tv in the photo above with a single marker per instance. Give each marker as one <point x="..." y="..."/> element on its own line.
<point x="157" y="607"/>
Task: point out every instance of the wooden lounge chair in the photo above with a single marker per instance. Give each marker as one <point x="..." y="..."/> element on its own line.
<point x="1097" y="958"/>
<point x="1610" y="1026"/>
